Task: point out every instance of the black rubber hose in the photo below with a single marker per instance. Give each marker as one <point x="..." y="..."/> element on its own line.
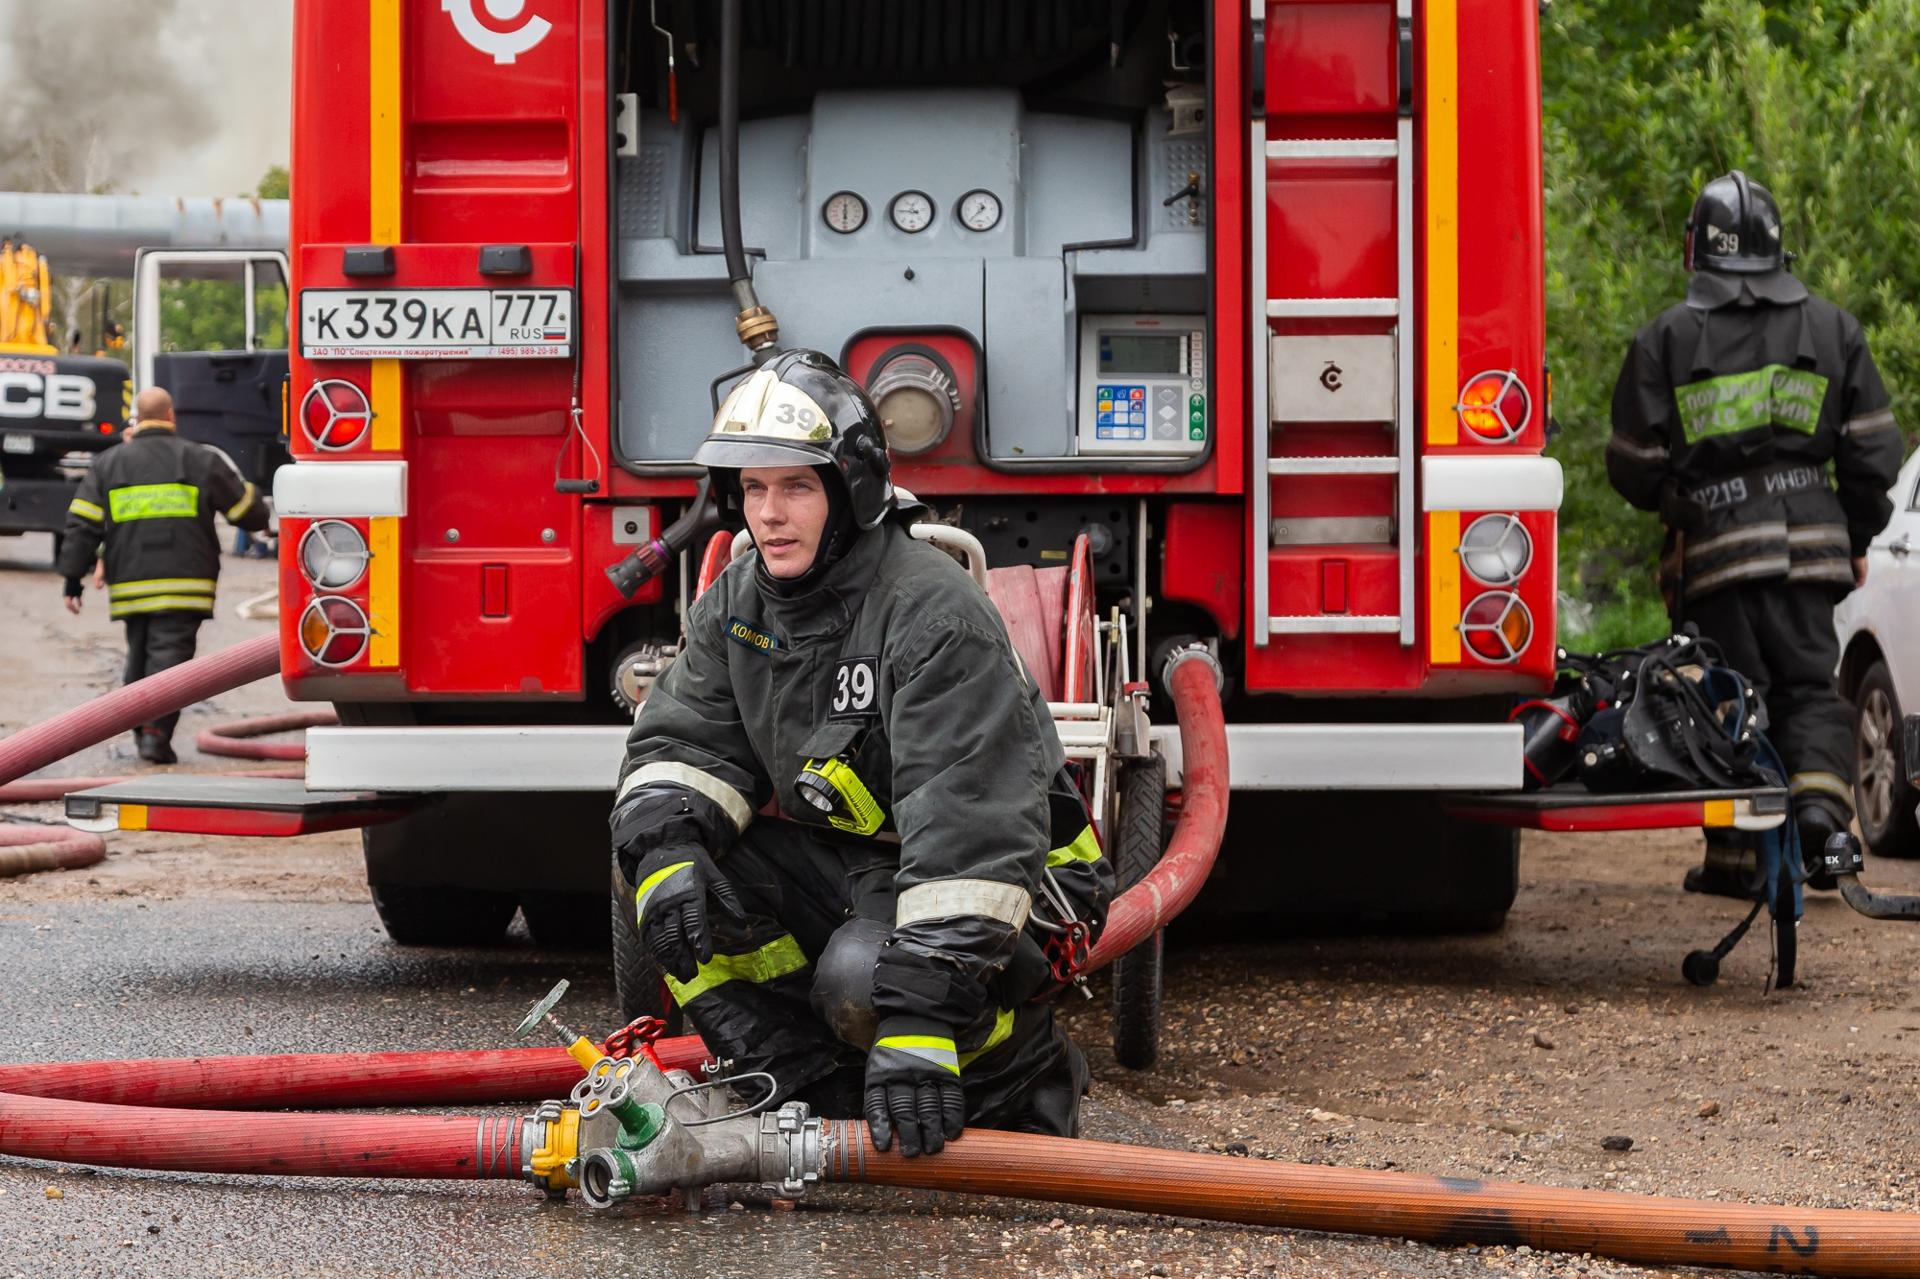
<point x="1878" y="905"/>
<point x="730" y="155"/>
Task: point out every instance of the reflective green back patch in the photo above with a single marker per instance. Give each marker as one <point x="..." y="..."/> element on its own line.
<point x="1772" y="396"/>
<point x="154" y="502"/>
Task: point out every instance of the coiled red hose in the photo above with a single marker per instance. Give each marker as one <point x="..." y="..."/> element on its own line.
<point x="450" y="1147"/>
<point x="26" y="849"/>
<point x="1438" y="1210"/>
<point x="323" y="1080"/>
<point x="1172" y="885"/>
<point x="137" y="703"/>
<point x="234" y="738"/>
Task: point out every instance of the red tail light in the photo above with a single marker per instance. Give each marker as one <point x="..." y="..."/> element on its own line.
<point x="335" y="415"/>
<point x="1495" y="407"/>
<point x="1497" y="627"/>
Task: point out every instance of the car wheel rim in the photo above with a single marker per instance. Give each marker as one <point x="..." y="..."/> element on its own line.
<point x="1875" y="764"/>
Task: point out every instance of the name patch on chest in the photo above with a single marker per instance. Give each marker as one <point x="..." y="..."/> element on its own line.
<point x="856" y="689"/>
<point x="750" y="637"/>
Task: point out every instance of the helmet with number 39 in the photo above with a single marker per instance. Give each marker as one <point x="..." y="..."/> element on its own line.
<point x="801" y="410"/>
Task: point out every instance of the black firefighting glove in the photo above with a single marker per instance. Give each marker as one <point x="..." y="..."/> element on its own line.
<point x="913" y="1086"/>
<point x="75" y="588"/>
<point x="672" y="885"/>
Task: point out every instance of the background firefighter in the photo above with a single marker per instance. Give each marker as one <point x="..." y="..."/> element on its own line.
<point x="1751" y="417"/>
<point x="146" y="508"/>
<point x="928" y="835"/>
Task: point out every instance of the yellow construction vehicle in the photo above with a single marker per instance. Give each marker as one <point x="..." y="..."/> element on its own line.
<point x="56" y="411"/>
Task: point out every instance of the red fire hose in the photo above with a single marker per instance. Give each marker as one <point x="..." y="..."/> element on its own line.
<point x="137" y="703"/>
<point x="26" y="849"/>
<point x="1172" y="885"/>
<point x="463" y="1147"/>
<point x="1437" y="1210"/>
<point x="233" y="739"/>
<point x="324" y="1079"/>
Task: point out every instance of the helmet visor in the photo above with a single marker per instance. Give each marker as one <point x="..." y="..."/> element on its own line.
<point x="737" y="452"/>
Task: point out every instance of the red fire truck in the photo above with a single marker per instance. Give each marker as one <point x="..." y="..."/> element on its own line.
<point x="1250" y="297"/>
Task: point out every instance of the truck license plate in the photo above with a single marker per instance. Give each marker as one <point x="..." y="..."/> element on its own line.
<point x="17" y="443"/>
<point x="436" y="324"/>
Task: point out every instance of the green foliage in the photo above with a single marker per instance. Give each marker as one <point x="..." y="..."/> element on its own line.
<point x="1646" y="100"/>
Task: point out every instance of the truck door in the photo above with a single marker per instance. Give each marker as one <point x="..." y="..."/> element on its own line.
<point x="210" y="326"/>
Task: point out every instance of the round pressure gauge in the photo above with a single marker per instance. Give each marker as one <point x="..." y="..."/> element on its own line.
<point x="911" y="211"/>
<point x="979" y="210"/>
<point x="844" y="212"/>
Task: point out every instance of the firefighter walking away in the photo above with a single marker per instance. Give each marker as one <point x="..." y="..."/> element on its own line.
<point x="1751" y="417"/>
<point x="146" y="507"/>
<point x="880" y="945"/>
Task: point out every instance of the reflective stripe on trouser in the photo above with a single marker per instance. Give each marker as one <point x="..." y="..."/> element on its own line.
<point x="1774" y="551"/>
<point x="798" y="888"/>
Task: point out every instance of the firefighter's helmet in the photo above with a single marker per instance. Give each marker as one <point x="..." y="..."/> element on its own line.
<point x="1734" y="228"/>
<point x="801" y="410"/>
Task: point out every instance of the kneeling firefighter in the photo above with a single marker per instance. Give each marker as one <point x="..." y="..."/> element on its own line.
<point x="1730" y="412"/>
<point x="880" y="945"/>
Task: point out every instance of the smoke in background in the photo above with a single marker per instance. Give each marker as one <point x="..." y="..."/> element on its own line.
<point x="164" y="97"/>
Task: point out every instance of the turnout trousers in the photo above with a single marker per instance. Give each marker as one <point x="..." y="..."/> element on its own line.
<point x="1781" y="637"/>
<point x="157" y="642"/>
<point x="789" y="989"/>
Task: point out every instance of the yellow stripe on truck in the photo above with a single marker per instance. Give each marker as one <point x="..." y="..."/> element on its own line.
<point x="383" y="590"/>
<point x="384" y="202"/>
<point x="1442" y="115"/>
<point x="385" y="225"/>
<point x="1443" y="587"/>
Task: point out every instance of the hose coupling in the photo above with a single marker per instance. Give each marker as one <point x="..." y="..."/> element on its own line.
<point x="1197" y="651"/>
<point x="550" y="1147"/>
<point x="757" y="328"/>
<point x="791" y="1151"/>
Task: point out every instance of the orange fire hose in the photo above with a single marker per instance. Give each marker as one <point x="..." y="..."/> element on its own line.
<point x="1436" y="1210"/>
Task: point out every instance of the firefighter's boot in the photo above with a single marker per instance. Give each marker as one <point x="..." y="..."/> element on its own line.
<point x="1818" y="823"/>
<point x="154" y="746"/>
<point x="1731" y="868"/>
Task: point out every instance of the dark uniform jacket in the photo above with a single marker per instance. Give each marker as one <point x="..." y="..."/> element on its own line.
<point x="151" y="500"/>
<point x="1763" y="436"/>
<point x="898" y="663"/>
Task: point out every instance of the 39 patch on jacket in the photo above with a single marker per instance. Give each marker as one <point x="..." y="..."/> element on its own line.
<point x="750" y="636"/>
<point x="856" y="689"/>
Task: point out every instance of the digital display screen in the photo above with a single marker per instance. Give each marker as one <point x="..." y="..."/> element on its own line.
<point x="1142" y="353"/>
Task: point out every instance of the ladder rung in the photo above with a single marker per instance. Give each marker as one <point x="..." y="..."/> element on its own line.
<point x="1332" y="308"/>
<point x="1333" y="466"/>
<point x="1333" y="149"/>
<point x="1335" y="624"/>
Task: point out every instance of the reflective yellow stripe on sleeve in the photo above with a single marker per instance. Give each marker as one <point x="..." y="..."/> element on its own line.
<point x="245" y="503"/>
<point x="1002" y="1029"/>
<point x="774" y="960"/>
<point x="1084" y="848"/>
<point x="85" y="510"/>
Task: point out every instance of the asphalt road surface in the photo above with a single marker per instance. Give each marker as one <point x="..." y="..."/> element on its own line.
<point x="1512" y="1055"/>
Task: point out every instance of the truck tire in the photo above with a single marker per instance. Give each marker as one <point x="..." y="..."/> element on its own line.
<point x="414" y="913"/>
<point x="636" y="978"/>
<point x="1139" y="839"/>
<point x="1882" y="795"/>
<point x="419" y="916"/>
<point x="565" y="921"/>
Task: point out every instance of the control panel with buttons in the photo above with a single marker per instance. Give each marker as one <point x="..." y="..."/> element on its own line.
<point x="1143" y="386"/>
